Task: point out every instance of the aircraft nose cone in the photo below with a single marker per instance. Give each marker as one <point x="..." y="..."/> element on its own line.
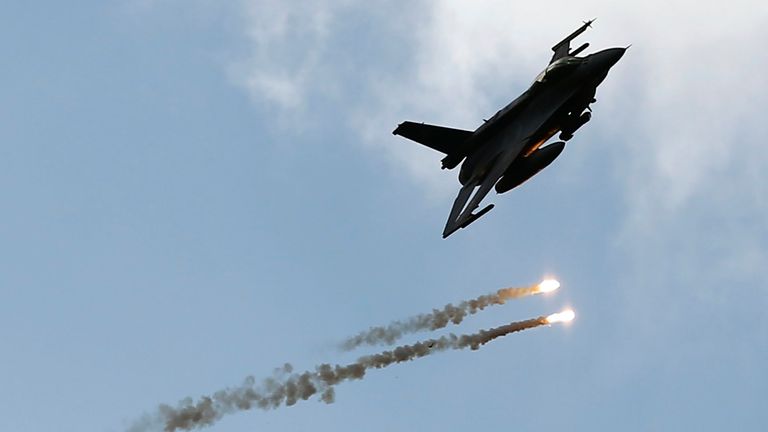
<point x="610" y="56"/>
<point x="601" y="62"/>
<point x="614" y="54"/>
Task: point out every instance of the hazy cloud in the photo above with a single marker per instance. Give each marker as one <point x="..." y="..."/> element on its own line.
<point x="287" y="41"/>
<point x="679" y="115"/>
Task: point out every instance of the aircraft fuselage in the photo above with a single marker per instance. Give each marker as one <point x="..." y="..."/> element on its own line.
<point x="504" y="152"/>
<point x="536" y="115"/>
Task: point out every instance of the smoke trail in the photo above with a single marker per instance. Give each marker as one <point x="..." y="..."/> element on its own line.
<point x="439" y="318"/>
<point x="288" y="390"/>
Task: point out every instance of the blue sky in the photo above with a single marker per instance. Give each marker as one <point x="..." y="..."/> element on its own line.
<point x="195" y="192"/>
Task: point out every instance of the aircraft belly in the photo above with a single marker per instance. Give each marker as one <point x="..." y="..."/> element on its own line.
<point x="530" y="119"/>
<point x="486" y="166"/>
<point x="479" y="163"/>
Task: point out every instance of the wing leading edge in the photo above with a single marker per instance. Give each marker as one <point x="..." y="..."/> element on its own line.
<point x="443" y="139"/>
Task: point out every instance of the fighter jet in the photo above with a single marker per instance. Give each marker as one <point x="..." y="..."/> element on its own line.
<point x="506" y="150"/>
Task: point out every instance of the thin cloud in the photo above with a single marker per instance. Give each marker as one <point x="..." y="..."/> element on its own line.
<point x="682" y="109"/>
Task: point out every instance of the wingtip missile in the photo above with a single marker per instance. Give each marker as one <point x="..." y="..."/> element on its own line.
<point x="573" y="35"/>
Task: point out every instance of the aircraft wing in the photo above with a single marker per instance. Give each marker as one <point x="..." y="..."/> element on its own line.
<point x="442" y="139"/>
<point x="461" y="214"/>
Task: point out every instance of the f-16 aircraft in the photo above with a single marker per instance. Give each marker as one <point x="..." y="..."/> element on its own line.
<point x="505" y="150"/>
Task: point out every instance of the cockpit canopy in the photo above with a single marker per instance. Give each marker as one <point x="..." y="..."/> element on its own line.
<point x="558" y="68"/>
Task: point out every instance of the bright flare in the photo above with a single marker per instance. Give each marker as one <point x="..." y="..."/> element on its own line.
<point x="564" y="316"/>
<point x="548" y="285"/>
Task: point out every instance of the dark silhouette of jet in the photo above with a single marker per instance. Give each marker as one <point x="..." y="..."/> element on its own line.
<point x="505" y="150"/>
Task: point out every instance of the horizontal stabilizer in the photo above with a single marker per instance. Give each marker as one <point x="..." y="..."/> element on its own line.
<point x="446" y="140"/>
<point x="475" y="216"/>
<point x="452" y="228"/>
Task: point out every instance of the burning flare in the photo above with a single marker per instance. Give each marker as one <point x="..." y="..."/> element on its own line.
<point x="564" y="316"/>
<point x="440" y="318"/>
<point x="547" y="285"/>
